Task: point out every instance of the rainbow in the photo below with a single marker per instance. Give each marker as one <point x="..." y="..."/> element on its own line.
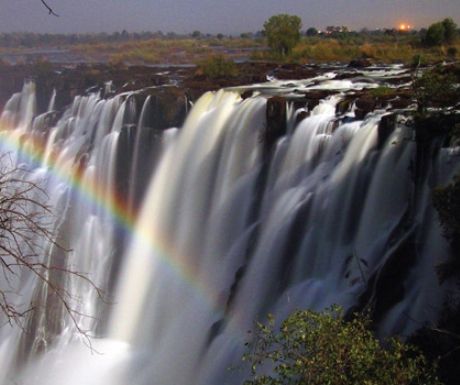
<point x="33" y="149"/>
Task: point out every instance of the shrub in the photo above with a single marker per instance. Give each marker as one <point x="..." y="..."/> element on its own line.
<point x="217" y="66"/>
<point x="322" y="348"/>
<point x="382" y="92"/>
<point x="435" y="89"/>
<point x="452" y="53"/>
<point x="42" y="68"/>
<point x="446" y="200"/>
<point x="418" y="60"/>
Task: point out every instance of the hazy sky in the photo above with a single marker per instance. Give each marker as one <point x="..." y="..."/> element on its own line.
<point x="226" y="16"/>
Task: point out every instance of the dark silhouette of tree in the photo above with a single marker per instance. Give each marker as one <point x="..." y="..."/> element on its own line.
<point x="450" y="30"/>
<point x="311" y="31"/>
<point x="444" y="31"/>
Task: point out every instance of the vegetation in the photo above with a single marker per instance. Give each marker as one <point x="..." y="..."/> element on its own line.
<point x="441" y="343"/>
<point x="442" y="32"/>
<point x="447" y="202"/>
<point x="379" y="48"/>
<point x="435" y="89"/>
<point x="216" y="67"/>
<point x="283" y="42"/>
<point x="322" y="348"/>
<point x="383" y="92"/>
<point x="24" y="225"/>
<point x="282" y="33"/>
<point x="27" y="237"/>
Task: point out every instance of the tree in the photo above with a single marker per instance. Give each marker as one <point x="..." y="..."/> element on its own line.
<point x="282" y="33"/>
<point x="196" y="34"/>
<point x="322" y="348"/>
<point x="434" y="34"/>
<point x="441" y="32"/>
<point x="312" y="31"/>
<point x="450" y="30"/>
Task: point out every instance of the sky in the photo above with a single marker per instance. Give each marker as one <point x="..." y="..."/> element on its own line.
<point x="215" y="16"/>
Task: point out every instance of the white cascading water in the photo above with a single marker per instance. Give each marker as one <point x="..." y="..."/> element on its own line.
<point x="215" y="246"/>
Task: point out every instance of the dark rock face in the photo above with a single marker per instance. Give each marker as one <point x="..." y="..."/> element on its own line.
<point x="276" y="114"/>
<point x="386" y="126"/>
<point x="343" y="106"/>
<point x="360" y="63"/>
<point x="364" y="105"/>
<point x="293" y="71"/>
<point x="386" y="288"/>
<point x="246" y="94"/>
<point x="301" y="116"/>
<point x="400" y="103"/>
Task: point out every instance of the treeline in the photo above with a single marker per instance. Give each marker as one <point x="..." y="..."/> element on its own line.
<point x="31" y="39"/>
<point x="435" y="34"/>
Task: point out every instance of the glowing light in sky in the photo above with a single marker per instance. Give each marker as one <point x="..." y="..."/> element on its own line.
<point x="404" y="27"/>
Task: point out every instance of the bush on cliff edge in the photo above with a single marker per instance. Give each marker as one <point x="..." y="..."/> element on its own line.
<point x="322" y="348"/>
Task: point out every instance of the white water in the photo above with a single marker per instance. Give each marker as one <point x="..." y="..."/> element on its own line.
<point x="213" y="250"/>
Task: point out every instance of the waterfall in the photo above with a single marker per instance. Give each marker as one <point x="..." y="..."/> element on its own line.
<point x="193" y="233"/>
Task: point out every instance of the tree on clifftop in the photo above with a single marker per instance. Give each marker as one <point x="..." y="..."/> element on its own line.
<point x="283" y="33"/>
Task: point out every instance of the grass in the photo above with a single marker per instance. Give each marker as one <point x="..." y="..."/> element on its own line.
<point x="155" y="51"/>
<point x="218" y="66"/>
<point x="381" y="48"/>
<point x="320" y="50"/>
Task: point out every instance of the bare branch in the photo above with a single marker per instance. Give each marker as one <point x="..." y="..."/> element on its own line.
<point x="27" y="235"/>
<point x="50" y="10"/>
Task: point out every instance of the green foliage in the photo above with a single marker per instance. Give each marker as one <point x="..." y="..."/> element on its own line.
<point x="434" y="34"/>
<point x="418" y="60"/>
<point x="441" y="32"/>
<point x="217" y="67"/>
<point x="311" y="31"/>
<point x="435" y="89"/>
<point x="450" y="30"/>
<point x="382" y="92"/>
<point x="323" y="349"/>
<point x="446" y="200"/>
<point x="282" y="33"/>
<point x="42" y="68"/>
<point x="452" y="52"/>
